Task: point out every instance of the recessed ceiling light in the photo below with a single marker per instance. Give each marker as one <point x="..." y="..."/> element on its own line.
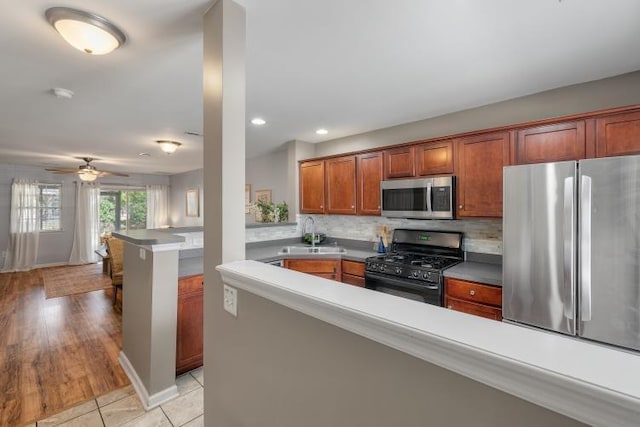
<point x="61" y="92"/>
<point x="322" y="131"/>
<point x="258" y="121"/>
<point x="144" y="154"/>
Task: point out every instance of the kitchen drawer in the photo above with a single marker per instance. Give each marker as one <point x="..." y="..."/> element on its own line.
<point x="313" y="266"/>
<point x="353" y="280"/>
<point x="473" y="308"/>
<point x="190" y="284"/>
<point x="471" y="291"/>
<point x="353" y="267"/>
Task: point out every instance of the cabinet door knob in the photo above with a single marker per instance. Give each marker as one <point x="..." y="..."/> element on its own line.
<point x="352" y="207"/>
<point x="472" y="292"/>
<point x="378" y="206"/>
<point x="460" y="207"/>
<point x="449" y="307"/>
<point x="321" y="206"/>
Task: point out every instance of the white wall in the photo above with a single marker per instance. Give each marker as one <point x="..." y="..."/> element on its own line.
<point x="585" y="97"/>
<point x="55" y="246"/>
<point x="180" y="183"/>
<point x="269" y="172"/>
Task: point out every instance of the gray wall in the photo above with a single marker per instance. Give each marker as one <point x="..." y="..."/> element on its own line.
<point x="274" y="367"/>
<point x="180" y="183"/>
<point x="54" y="247"/>
<point x="591" y="96"/>
<point x="149" y="315"/>
<point x="269" y="172"/>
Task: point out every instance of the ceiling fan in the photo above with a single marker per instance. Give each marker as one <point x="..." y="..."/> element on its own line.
<point x="87" y="172"/>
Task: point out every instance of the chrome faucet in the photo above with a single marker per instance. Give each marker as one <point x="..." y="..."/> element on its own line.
<point x="313" y="230"/>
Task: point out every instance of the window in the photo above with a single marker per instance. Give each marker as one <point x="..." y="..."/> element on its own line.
<point x="122" y="210"/>
<point x="49" y="205"/>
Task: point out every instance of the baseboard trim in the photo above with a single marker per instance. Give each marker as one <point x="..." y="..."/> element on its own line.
<point x="155" y="399"/>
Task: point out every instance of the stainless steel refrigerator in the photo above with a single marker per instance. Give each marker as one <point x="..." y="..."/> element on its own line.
<point x="571" y="248"/>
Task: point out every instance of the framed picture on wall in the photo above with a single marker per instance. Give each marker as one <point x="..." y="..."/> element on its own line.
<point x="247" y="197"/>
<point x="193" y="202"/>
<point x="263" y="196"/>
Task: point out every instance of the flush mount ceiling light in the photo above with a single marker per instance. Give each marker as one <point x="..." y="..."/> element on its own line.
<point x="322" y="131"/>
<point x="258" y="121"/>
<point x="85" y="31"/>
<point x="167" y="146"/>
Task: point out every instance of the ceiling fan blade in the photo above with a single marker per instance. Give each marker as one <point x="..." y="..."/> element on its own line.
<point x="60" y="170"/>
<point x="105" y="173"/>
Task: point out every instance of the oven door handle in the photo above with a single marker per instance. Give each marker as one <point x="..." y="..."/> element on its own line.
<point x="400" y="283"/>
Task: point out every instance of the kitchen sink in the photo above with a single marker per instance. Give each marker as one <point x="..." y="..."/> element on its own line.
<point x="305" y="250"/>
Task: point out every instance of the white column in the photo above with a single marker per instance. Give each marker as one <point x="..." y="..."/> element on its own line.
<point x="224" y="160"/>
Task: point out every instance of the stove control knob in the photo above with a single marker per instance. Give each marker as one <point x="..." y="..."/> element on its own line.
<point x="381" y="267"/>
<point x="415" y="273"/>
<point x="398" y="270"/>
<point x="425" y="276"/>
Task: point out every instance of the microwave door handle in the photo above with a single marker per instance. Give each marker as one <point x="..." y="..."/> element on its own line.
<point x="429" y="195"/>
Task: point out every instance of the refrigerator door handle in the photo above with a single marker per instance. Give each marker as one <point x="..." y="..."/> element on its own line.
<point x="585" y="248"/>
<point x="568" y="248"/>
<point x="429" y="186"/>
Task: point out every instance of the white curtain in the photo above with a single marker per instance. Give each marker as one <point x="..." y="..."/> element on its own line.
<point x="157" y="206"/>
<point x="22" y="251"/>
<point x="86" y="233"/>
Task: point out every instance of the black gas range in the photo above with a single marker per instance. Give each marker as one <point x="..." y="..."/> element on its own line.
<point x="413" y="267"/>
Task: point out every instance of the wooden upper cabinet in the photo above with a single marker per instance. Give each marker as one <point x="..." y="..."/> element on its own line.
<point x="340" y="187"/>
<point x="370" y="173"/>
<point x="399" y="162"/>
<point x="434" y="158"/>
<point x="312" y="187"/>
<point x="480" y="159"/>
<point x="618" y="134"/>
<point x="551" y="143"/>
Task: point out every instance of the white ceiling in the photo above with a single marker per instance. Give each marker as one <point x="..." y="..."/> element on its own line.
<point x="349" y="66"/>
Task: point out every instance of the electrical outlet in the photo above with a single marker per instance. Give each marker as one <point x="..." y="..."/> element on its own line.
<point x="231" y="300"/>
<point x="143" y="254"/>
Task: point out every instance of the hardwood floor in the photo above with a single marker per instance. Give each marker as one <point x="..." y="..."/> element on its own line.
<point x="54" y="353"/>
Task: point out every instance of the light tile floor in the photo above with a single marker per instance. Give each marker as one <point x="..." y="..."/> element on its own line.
<point x="123" y="408"/>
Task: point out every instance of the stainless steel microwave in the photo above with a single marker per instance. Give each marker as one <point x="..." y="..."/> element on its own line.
<point x="424" y="198"/>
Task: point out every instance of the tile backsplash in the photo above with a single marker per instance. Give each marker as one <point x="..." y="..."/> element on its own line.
<point x="481" y="236"/>
<point x="272" y="232"/>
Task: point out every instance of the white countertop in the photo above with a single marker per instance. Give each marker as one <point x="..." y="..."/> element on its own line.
<point x="595" y="384"/>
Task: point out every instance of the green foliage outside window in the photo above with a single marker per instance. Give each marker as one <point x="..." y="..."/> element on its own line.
<point x="122" y="210"/>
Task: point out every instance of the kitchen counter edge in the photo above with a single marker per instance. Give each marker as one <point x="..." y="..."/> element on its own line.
<point x="480" y="272"/>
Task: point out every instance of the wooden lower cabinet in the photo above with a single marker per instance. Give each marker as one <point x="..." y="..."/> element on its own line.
<point x="473" y="298"/>
<point x="353" y="273"/>
<point x="189" y="347"/>
<point x="327" y="268"/>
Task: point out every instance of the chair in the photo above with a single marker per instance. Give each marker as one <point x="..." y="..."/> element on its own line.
<point x="115" y="249"/>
